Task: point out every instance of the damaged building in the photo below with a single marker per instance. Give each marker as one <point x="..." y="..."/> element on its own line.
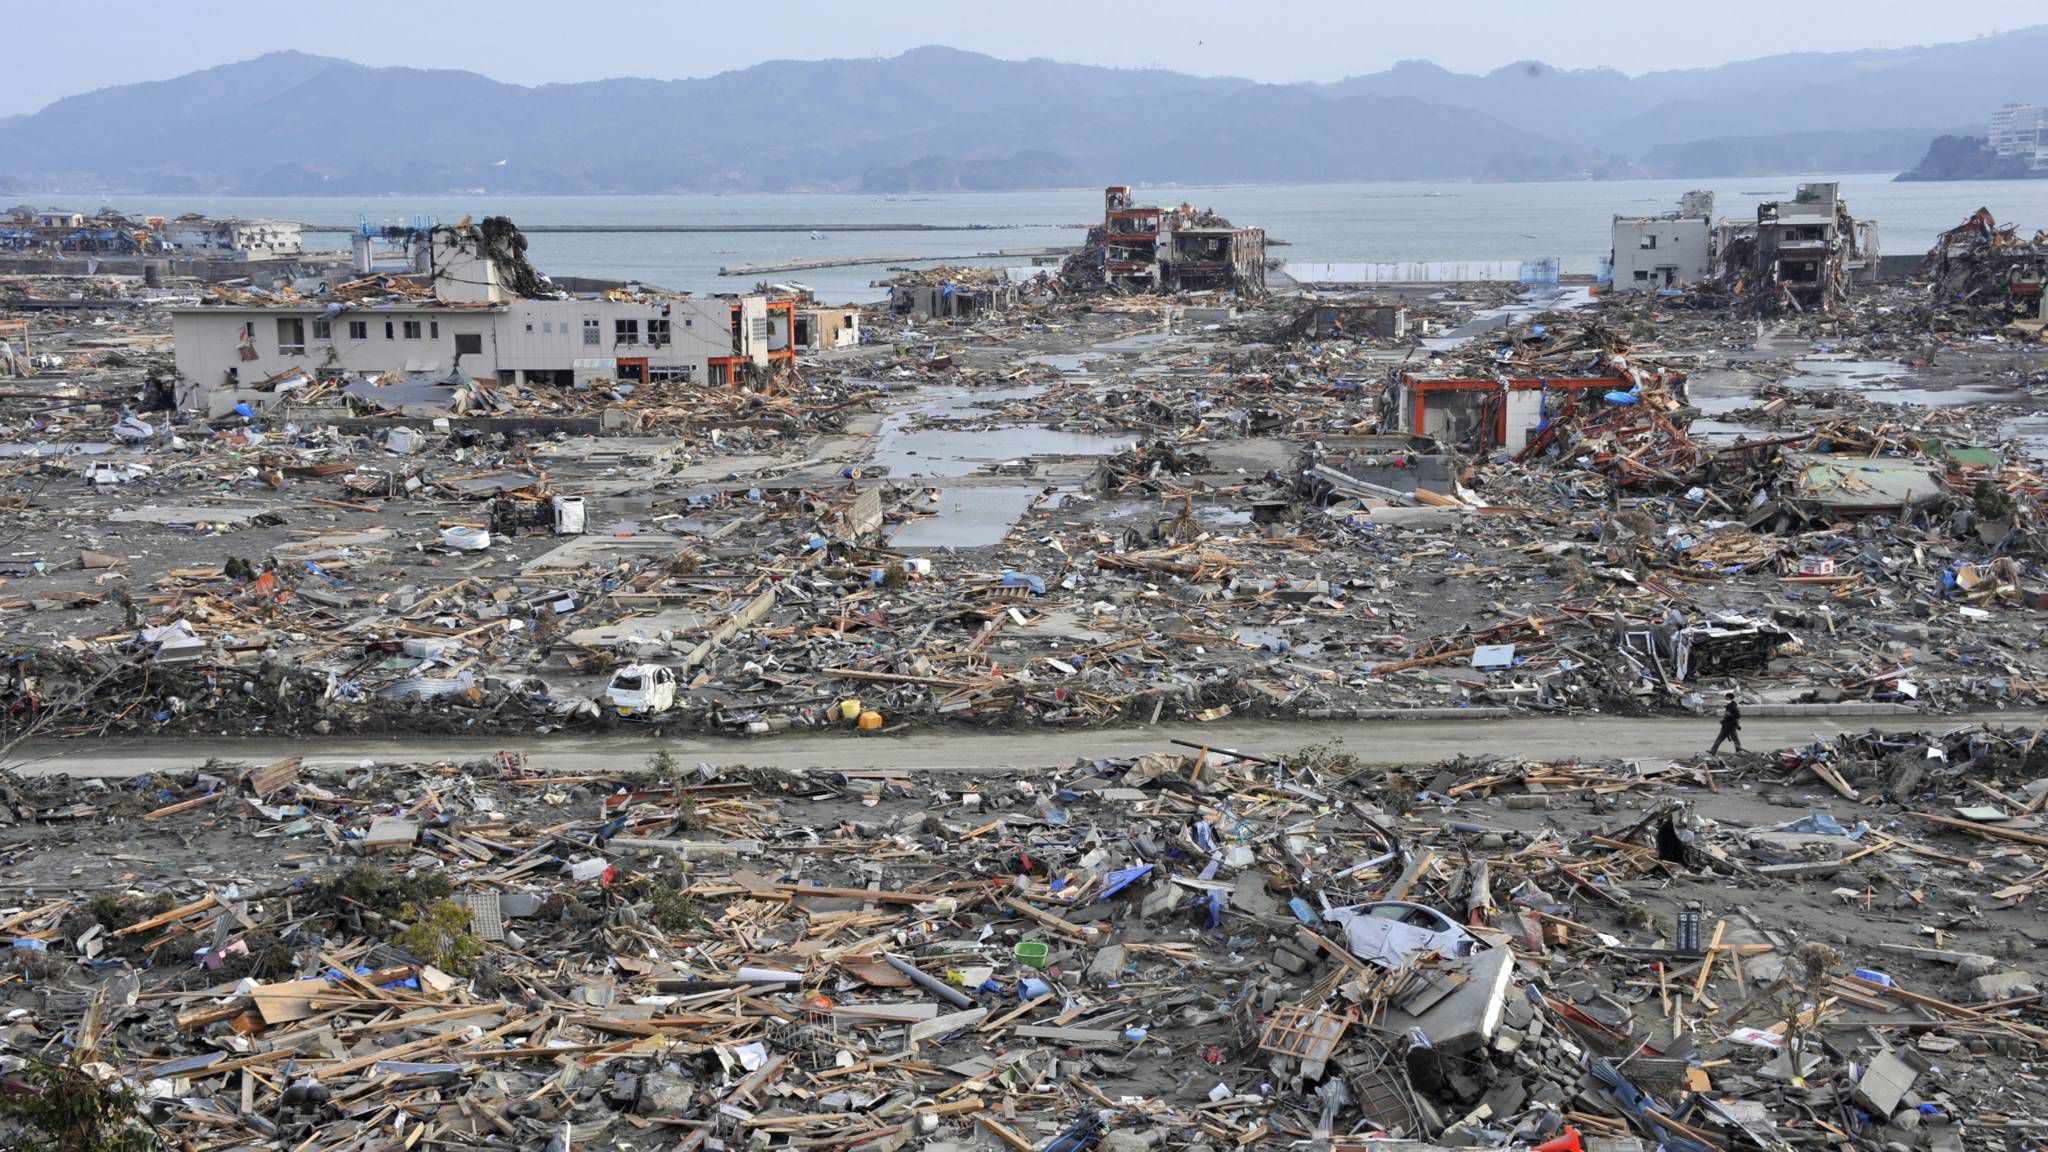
<point x="1801" y="255"/>
<point x="1980" y="266"/>
<point x="476" y="310"/>
<point x="1146" y="248"/>
<point x="952" y="293"/>
<point x="1672" y="250"/>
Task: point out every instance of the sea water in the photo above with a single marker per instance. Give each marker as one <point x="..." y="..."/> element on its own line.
<point x="1319" y="222"/>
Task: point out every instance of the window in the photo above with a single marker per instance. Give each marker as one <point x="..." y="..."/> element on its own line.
<point x="291" y="336"/>
<point x="469" y="344"/>
<point x="390" y="330"/>
<point x="359" y="329"/>
<point x="658" y="332"/>
<point x="590" y="334"/>
<point x="323" y="329"/>
<point x="760" y="329"/>
<point x="626" y="331"/>
<point x="434" y="329"/>
<point x="529" y="326"/>
<point x="412" y="329"/>
<point x="668" y="375"/>
<point x="1643" y="274"/>
<point x="1649" y="240"/>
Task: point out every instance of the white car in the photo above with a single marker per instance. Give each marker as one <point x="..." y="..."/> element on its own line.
<point x="1388" y="932"/>
<point x="642" y="689"/>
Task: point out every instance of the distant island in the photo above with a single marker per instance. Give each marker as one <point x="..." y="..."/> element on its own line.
<point x="1969" y="158"/>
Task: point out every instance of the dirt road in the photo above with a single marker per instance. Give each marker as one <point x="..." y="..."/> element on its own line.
<point x="1378" y="742"/>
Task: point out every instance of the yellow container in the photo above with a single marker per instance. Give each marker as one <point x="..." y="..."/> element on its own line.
<point x="849" y="709"/>
<point x="870" y="720"/>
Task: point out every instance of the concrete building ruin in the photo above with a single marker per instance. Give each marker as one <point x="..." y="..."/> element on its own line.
<point x="232" y="238"/>
<point x="1802" y="254"/>
<point x="1146" y="248"/>
<point x="474" y="310"/>
<point x="1672" y="250"/>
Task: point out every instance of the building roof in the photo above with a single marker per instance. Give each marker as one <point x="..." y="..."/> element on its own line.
<point x="1850" y="483"/>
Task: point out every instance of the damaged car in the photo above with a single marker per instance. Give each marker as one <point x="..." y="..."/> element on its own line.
<point x="1388" y="933"/>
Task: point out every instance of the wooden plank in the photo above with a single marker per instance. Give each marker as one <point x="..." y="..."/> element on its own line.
<point x="1990" y="830"/>
<point x="1699" y="987"/>
<point x="171" y="917"/>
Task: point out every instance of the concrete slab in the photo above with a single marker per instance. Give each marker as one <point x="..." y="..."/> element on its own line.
<point x="1468" y="1017"/>
<point x="1886" y="1080"/>
<point x="185" y="515"/>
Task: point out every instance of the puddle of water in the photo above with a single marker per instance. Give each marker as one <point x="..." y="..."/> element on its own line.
<point x="1122" y="514"/>
<point x="908" y="451"/>
<point x="1721" y="390"/>
<point x="966" y="518"/>
<point x="1883" y="382"/>
<point x="1830" y="372"/>
<point x="2030" y="432"/>
<point x="1068" y="362"/>
<point x="967" y="403"/>
<point x="939" y="452"/>
<point x="1138" y="343"/>
<point x="1508" y="315"/>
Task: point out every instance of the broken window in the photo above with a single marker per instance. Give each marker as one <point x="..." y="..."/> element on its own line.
<point x="590" y="333"/>
<point x="469" y="344"/>
<point x="626" y="331"/>
<point x="359" y="329"/>
<point x="323" y="330"/>
<point x="657" y="332"/>
<point x="1649" y="240"/>
<point x="1643" y="274"/>
<point x="291" y="336"/>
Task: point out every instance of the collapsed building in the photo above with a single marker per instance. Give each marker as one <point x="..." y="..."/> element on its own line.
<point x="952" y="293"/>
<point x="1146" y="248"/>
<point x="475" y="309"/>
<point x="1977" y="265"/>
<point x="1801" y="255"/>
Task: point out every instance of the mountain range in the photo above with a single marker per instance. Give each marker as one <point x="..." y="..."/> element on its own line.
<point x="938" y="118"/>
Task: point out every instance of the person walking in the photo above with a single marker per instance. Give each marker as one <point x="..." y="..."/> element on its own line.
<point x="1731" y="727"/>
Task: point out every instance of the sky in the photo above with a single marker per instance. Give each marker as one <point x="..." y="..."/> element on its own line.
<point x="531" y="42"/>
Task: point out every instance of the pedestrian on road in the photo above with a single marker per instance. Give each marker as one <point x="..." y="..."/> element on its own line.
<point x="1731" y="727"/>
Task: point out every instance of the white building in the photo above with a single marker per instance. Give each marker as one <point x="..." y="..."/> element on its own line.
<point x="473" y="328"/>
<point x="59" y="218"/>
<point x="1668" y="251"/>
<point x="233" y="239"/>
<point x="2020" y="131"/>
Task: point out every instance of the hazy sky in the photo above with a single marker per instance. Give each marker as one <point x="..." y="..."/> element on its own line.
<point x="529" y="42"/>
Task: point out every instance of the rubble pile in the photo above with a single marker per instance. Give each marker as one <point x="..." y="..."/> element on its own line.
<point x="1818" y="946"/>
<point x="1983" y="278"/>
